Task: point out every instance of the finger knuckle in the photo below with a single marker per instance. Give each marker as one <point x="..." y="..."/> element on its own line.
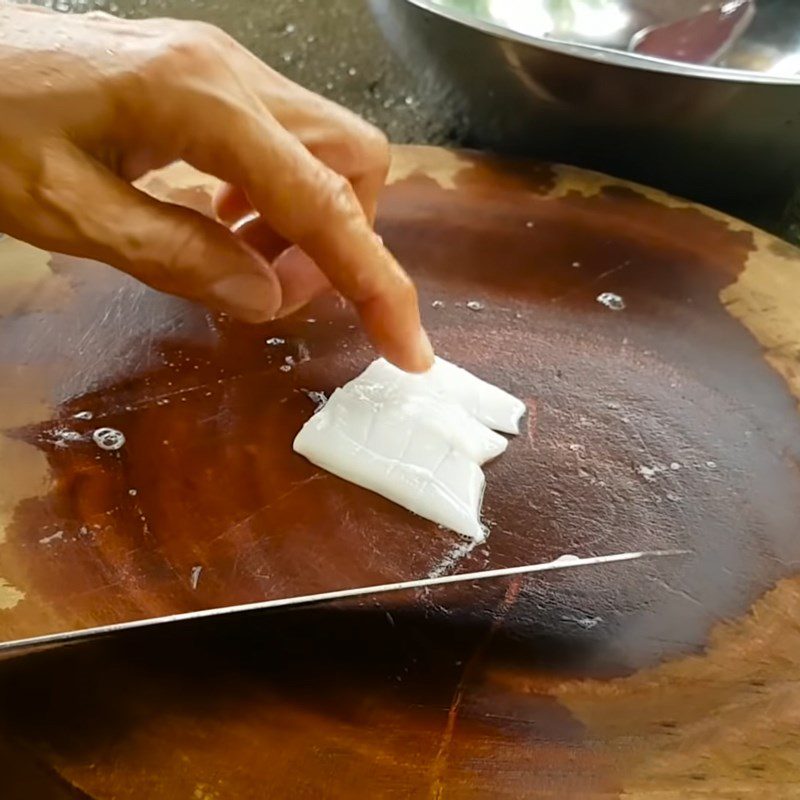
<point x="191" y="47"/>
<point x="210" y="34"/>
<point x="168" y="266"/>
<point x="340" y="199"/>
<point x="99" y="16"/>
<point x="375" y="148"/>
<point x="335" y="208"/>
<point x="180" y="254"/>
<point x="405" y="291"/>
<point x="366" y="147"/>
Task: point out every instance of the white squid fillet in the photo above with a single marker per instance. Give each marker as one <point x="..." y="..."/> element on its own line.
<point x="418" y="440"/>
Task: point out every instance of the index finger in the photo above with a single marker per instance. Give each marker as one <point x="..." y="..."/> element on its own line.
<point x="317" y="209"/>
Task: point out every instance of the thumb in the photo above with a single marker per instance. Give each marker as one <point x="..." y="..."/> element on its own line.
<point x="85" y="210"/>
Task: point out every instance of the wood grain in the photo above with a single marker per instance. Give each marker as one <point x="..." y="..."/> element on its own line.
<point x="671" y="423"/>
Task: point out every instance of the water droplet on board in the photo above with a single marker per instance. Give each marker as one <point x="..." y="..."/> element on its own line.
<point x="567" y="558"/>
<point x="274" y="341"/>
<point x="475" y="305"/>
<point x="83" y="415"/>
<point x="611" y="301"/>
<point x="437" y="304"/>
<point x="108" y="438"/>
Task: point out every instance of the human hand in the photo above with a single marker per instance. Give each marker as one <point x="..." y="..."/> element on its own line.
<point x="91" y="103"/>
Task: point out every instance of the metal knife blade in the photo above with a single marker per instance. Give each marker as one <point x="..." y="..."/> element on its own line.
<point x="562" y="563"/>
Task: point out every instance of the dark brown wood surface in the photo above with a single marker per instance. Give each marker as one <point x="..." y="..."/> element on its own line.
<point x="671" y="423"/>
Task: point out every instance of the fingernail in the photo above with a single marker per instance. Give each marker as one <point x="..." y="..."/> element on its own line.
<point x="252" y="298"/>
<point x="293" y="258"/>
<point x="425" y="350"/>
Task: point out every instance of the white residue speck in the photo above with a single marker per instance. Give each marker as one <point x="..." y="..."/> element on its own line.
<point x="303" y="353"/>
<point x="195" y="576"/>
<point x="274" y="341"/>
<point x="651" y="473"/>
<point x="475" y="305"/>
<point x="711" y="464"/>
<point x="452" y="558"/>
<point x="63" y="435"/>
<point x="529" y="224"/>
<point x="576" y="263"/>
<point x="674" y="466"/>
<point x="285" y="368"/>
<point x="133" y="492"/>
<point x="57" y="536"/>
<point x="611" y="301"/>
<point x="83" y="415"/>
<point x="437" y="304"/>
<point x="318" y="398"/>
<point x="587" y="623"/>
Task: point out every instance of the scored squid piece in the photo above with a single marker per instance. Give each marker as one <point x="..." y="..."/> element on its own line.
<point x="418" y="440"/>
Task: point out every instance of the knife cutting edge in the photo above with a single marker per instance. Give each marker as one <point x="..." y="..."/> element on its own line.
<point x="561" y="563"/>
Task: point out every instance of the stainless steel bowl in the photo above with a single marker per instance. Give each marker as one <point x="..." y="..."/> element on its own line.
<point x="609" y="85"/>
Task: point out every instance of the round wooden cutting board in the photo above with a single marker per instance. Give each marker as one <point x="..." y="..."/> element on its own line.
<point x="657" y="347"/>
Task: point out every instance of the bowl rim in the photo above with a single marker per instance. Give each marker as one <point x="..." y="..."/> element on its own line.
<point x="604" y="55"/>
